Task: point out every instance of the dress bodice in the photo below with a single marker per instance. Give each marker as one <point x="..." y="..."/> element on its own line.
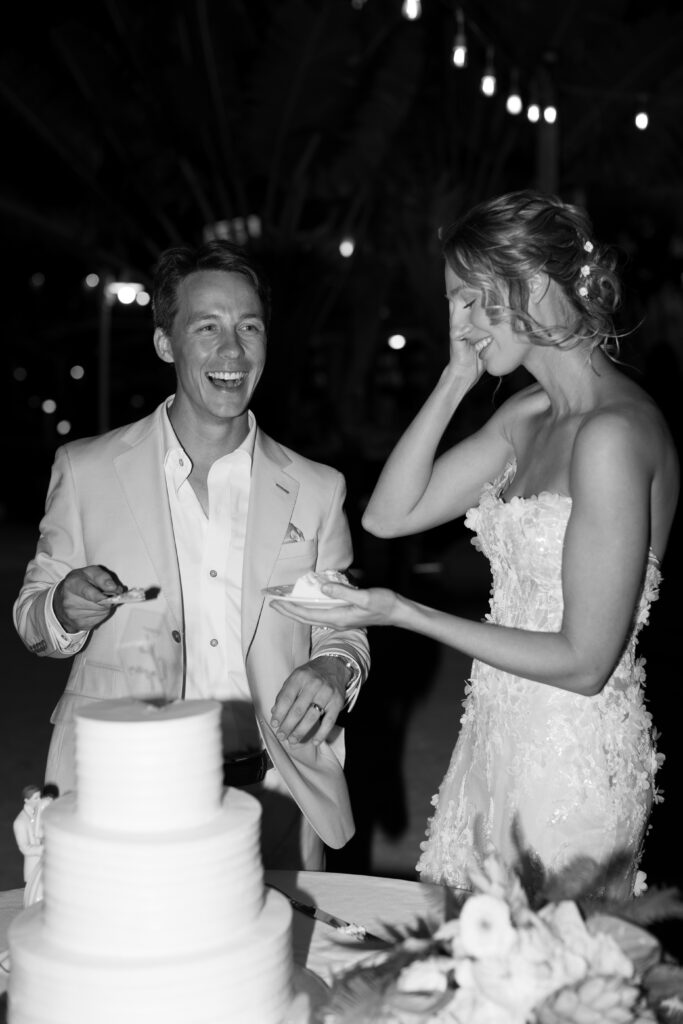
<point x="523" y="539"/>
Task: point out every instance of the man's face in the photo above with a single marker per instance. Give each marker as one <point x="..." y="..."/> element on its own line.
<point x="218" y="346"/>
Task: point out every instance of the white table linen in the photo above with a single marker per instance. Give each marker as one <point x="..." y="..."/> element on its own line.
<point x="362" y="899"/>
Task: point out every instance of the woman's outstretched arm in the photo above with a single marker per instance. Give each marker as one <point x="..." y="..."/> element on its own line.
<point x="604" y="559"/>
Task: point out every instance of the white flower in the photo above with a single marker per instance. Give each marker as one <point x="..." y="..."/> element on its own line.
<point x="469" y="1007"/>
<point x="588" y="246"/>
<point x="585" y="270"/>
<point x="430" y="975"/>
<point x="485" y="926"/>
<point x="598" y="951"/>
<point x="449" y="931"/>
<point x="583" y="291"/>
<point x="640" y="884"/>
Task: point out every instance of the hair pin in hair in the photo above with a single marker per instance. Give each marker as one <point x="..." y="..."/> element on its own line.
<point x="588" y="246"/>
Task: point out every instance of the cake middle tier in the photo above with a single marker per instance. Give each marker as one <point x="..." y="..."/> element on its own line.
<point x="154" y="895"/>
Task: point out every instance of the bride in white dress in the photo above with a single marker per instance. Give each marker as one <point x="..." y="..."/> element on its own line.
<point x="570" y="489"/>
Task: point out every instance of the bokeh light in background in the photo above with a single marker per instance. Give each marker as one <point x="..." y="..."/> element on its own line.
<point x="49" y="406"/>
<point x="126" y="294"/>
<point x="77" y="372"/>
<point x="397" y="342"/>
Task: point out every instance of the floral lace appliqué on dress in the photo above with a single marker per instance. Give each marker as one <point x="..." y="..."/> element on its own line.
<point x="568" y="775"/>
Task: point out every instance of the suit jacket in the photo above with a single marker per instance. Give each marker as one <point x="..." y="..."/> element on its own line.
<point x="26" y="836"/>
<point x="107" y="504"/>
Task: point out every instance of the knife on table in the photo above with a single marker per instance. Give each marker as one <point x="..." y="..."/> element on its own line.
<point x="348" y="928"/>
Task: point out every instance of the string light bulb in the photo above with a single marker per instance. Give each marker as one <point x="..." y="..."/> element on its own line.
<point x="488" y="79"/>
<point x="460" y="44"/>
<point x="550" y="114"/>
<point x="533" y="112"/>
<point x="411" y="10"/>
<point x="642" y="118"/>
<point x="514" y="104"/>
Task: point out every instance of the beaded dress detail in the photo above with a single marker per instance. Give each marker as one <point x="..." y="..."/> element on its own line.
<point x="568" y="775"/>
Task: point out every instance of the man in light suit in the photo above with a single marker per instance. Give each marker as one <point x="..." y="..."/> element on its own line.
<point x="196" y="506"/>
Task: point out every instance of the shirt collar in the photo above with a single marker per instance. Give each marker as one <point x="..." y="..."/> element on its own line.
<point x="173" y="446"/>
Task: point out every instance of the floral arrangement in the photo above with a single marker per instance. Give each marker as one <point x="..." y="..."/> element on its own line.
<point x="506" y="957"/>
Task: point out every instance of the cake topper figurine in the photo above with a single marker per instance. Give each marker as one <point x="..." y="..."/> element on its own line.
<point x="28" y="832"/>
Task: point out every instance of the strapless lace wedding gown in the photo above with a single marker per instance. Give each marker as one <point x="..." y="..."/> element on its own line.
<point x="568" y="775"/>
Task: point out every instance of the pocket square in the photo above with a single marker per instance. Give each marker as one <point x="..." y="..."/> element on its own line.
<point x="293" y="534"/>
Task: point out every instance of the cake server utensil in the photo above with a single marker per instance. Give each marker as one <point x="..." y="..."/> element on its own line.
<point x="347" y="928"/>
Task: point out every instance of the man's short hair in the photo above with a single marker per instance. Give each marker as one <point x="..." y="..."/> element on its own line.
<point x="176" y="264"/>
<point x="28" y="791"/>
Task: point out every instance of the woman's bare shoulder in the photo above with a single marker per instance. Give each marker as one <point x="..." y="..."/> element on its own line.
<point x="629" y="411"/>
<point x="629" y="422"/>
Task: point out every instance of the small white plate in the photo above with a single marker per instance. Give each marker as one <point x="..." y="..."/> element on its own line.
<point x="319" y="602"/>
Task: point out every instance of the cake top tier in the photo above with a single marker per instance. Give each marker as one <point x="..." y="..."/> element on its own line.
<point x="141" y="767"/>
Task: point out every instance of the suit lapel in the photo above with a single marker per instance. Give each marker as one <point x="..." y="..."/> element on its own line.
<point x="141" y="472"/>
<point x="271" y="502"/>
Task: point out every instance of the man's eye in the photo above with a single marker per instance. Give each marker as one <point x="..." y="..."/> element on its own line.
<point x="251" y="327"/>
<point x="468" y="305"/>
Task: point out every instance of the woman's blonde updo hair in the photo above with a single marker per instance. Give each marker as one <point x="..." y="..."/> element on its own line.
<point x="501" y="243"/>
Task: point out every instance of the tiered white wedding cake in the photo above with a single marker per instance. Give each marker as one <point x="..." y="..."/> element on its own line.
<point x="154" y="910"/>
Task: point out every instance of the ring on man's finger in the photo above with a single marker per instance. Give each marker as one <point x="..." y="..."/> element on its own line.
<point x="316" y="707"/>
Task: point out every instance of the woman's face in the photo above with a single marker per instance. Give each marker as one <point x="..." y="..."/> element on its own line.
<point x="500" y="348"/>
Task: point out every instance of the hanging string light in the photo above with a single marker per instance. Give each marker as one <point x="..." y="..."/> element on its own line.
<point x="642" y="118"/>
<point x="460" y="44"/>
<point x="513" y="103"/>
<point x="488" y="79"/>
<point x="411" y="10"/>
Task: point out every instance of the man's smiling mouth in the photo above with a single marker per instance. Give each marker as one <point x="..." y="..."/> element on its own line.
<point x="226" y="378"/>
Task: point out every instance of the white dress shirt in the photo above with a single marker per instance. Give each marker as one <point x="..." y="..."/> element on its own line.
<point x="210" y="551"/>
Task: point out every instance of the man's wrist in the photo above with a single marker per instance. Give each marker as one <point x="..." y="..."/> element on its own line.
<point x="354" y="674"/>
<point x="65" y="639"/>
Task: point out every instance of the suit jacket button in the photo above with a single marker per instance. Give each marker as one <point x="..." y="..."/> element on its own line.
<point x="176" y="636"/>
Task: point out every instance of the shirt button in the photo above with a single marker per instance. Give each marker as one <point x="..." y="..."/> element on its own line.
<point x="213" y="573"/>
<point x="176" y="636"/>
<point x="214" y="642"/>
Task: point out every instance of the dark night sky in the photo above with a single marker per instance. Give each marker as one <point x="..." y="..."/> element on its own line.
<point x="130" y="126"/>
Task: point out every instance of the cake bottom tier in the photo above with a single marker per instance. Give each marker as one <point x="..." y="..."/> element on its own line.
<point x="247" y="981"/>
